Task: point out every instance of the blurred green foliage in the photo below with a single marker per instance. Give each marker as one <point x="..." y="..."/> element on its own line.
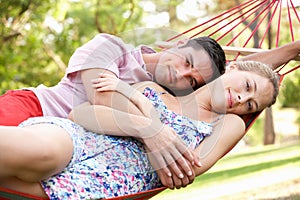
<point x="37" y="37"/>
<point x="290" y="94"/>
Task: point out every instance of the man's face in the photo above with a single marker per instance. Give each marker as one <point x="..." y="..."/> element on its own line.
<point x="183" y="68"/>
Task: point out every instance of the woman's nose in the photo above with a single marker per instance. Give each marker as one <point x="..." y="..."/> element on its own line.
<point x="242" y="98"/>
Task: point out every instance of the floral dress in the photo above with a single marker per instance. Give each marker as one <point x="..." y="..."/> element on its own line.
<point x="105" y="166"/>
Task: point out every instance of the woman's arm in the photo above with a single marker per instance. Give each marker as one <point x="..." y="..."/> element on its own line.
<point x="119" y="110"/>
<point x="105" y="120"/>
<point x="107" y="82"/>
<point x="226" y="134"/>
<point x="167" y="150"/>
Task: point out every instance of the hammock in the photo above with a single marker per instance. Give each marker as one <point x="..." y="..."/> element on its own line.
<point x="230" y="29"/>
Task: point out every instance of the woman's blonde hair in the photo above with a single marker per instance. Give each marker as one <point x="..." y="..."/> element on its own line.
<point x="263" y="70"/>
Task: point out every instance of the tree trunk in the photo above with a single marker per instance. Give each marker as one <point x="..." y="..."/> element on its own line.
<point x="269" y="133"/>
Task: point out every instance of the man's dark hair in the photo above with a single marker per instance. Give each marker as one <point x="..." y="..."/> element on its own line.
<point x="213" y="49"/>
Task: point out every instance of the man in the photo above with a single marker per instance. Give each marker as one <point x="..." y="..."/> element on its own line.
<point x="178" y="68"/>
<point x="184" y="67"/>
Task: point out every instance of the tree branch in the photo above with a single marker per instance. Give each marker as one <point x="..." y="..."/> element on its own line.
<point x="56" y="58"/>
<point x="130" y="16"/>
<point x="97" y="16"/>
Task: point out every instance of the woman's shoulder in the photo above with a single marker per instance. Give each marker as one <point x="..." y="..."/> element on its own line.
<point x="233" y="121"/>
<point x="234" y="117"/>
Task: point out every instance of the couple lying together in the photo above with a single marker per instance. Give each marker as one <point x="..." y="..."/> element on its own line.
<point x="126" y="144"/>
<point x="100" y="164"/>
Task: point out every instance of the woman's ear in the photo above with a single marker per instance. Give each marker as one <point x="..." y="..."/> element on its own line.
<point x="231" y="66"/>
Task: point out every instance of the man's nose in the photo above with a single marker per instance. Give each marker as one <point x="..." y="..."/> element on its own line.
<point x="184" y="72"/>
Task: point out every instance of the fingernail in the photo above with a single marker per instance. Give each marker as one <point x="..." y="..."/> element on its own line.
<point x="169" y="174"/>
<point x="181" y="176"/>
<point x="190" y="173"/>
<point x="199" y="163"/>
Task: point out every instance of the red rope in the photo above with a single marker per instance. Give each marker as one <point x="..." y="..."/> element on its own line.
<point x="233" y="20"/>
<point x="295" y="11"/>
<point x="222" y="19"/>
<point x="281" y="76"/>
<point x="278" y="25"/>
<point x="279" y="69"/>
<point x="255" y="29"/>
<point x="236" y="18"/>
<point x="237" y="8"/>
<point x="212" y="19"/>
<point x="290" y="20"/>
<point x="269" y="24"/>
<point x="291" y="70"/>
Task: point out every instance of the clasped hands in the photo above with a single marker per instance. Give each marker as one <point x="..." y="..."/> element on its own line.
<point x="168" y="155"/>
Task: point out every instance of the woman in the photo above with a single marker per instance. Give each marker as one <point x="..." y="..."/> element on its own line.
<point x="89" y="165"/>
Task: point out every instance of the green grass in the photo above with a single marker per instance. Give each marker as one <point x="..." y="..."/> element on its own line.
<point x="237" y="166"/>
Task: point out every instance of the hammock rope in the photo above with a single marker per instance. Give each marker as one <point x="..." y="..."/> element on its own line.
<point x="260" y="13"/>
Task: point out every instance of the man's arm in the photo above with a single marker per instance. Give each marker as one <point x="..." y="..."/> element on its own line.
<point x="278" y="56"/>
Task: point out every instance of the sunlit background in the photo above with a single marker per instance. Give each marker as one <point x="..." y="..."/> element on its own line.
<point x="38" y="38"/>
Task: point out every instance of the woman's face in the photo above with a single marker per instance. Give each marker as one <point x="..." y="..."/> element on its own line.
<point x="245" y="92"/>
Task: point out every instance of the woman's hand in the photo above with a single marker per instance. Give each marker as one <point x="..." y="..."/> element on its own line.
<point x="109" y="82"/>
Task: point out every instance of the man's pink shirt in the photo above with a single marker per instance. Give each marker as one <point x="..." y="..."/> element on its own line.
<point x="103" y="51"/>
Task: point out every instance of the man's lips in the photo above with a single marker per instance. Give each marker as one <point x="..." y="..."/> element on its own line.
<point x="171" y="75"/>
<point x="229" y="99"/>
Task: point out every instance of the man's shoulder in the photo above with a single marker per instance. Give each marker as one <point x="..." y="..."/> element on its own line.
<point x="105" y="37"/>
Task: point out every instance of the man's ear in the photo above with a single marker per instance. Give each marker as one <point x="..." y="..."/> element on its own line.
<point x="182" y="42"/>
<point x="231" y="66"/>
<point x="164" y="44"/>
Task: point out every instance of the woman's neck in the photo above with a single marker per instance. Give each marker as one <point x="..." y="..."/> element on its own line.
<point x="197" y="104"/>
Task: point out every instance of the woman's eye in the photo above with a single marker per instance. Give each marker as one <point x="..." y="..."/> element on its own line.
<point x="247" y="86"/>
<point x="249" y="105"/>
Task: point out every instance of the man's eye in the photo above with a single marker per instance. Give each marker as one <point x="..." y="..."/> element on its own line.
<point x="192" y="82"/>
<point x="187" y="62"/>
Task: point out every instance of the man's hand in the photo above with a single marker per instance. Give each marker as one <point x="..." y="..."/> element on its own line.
<point x="167" y="153"/>
<point x="173" y="181"/>
<point x="171" y="158"/>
